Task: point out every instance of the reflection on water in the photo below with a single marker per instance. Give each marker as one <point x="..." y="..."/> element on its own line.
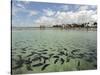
<point x="36" y="51"/>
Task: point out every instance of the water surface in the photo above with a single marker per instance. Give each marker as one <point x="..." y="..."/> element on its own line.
<point x="76" y="49"/>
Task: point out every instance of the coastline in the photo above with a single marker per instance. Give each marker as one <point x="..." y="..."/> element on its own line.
<point x="53" y="28"/>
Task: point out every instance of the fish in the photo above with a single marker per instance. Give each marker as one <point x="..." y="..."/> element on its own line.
<point x="14" y="49"/>
<point x="35" y="40"/>
<point x="73" y="56"/>
<point x="37" y="65"/>
<point x="78" y="64"/>
<point x="37" y="58"/>
<point x="95" y="65"/>
<point x="66" y="54"/>
<point x="37" y="53"/>
<point x="65" y="49"/>
<point x="62" y="53"/>
<point x="91" y="53"/>
<point x="19" y="62"/>
<point x="29" y="67"/>
<point x="44" y="57"/>
<point x="89" y="60"/>
<point x="56" y="61"/>
<point x="44" y="53"/>
<point x="28" y="61"/>
<point x="22" y="41"/>
<point x="81" y="55"/>
<point x="44" y="61"/>
<point x="32" y="53"/>
<point x="44" y="67"/>
<point x="18" y="66"/>
<point x="20" y="57"/>
<point x="95" y="57"/>
<point x="76" y="50"/>
<point x="24" y="49"/>
<point x="62" y="60"/>
<point x="93" y="50"/>
<point x="67" y="59"/>
<point x="50" y="48"/>
<point x="45" y="50"/>
<point x="40" y="51"/>
<point x="54" y="50"/>
<point x="59" y="54"/>
<point x="51" y="55"/>
<point x="23" y="52"/>
<point x="55" y="56"/>
<point x="13" y="52"/>
<point x="13" y="59"/>
<point x="29" y="55"/>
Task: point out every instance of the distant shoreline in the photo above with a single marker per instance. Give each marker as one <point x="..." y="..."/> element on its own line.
<point x="52" y="28"/>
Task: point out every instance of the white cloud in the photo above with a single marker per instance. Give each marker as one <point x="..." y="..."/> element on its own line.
<point x="26" y="2"/>
<point x="44" y="20"/>
<point x="64" y="7"/>
<point x="32" y="12"/>
<point x="50" y="17"/>
<point x="85" y="16"/>
<point x="15" y="10"/>
<point x="93" y="7"/>
<point x="68" y="18"/>
<point x="20" y="5"/>
<point x="83" y="8"/>
<point x="48" y="12"/>
<point x="94" y="17"/>
<point x="87" y="7"/>
<point x="21" y="8"/>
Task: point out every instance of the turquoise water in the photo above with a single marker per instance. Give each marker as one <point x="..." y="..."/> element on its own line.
<point x="57" y="50"/>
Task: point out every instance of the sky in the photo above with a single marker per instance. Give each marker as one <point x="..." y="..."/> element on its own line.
<point x="34" y="14"/>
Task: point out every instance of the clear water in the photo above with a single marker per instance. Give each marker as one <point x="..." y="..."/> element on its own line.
<point x="24" y="42"/>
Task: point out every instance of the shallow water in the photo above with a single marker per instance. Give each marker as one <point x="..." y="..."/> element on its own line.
<point x="80" y="46"/>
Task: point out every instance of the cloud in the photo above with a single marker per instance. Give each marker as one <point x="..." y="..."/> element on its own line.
<point x="94" y="17"/>
<point x="26" y="2"/>
<point x="83" y="8"/>
<point x="48" y="12"/>
<point x="44" y="20"/>
<point x="87" y="7"/>
<point x="64" y="14"/>
<point x="93" y="6"/>
<point x="21" y="6"/>
<point x="32" y="12"/>
<point x="68" y="18"/>
<point x="16" y="8"/>
<point x="85" y="16"/>
<point x="64" y="7"/>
